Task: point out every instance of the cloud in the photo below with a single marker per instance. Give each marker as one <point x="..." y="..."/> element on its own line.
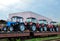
<point x="8" y="2"/>
<point x="23" y="4"/>
<point x="5" y="3"/>
<point x="10" y="6"/>
<point x="48" y="8"/>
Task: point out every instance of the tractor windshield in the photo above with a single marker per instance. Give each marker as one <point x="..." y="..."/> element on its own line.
<point x="31" y="20"/>
<point x="42" y="22"/>
<point x="13" y="19"/>
<point x="17" y="19"/>
<point x="54" y="23"/>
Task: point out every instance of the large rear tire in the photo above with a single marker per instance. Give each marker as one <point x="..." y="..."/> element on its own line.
<point x="45" y="28"/>
<point x="40" y="29"/>
<point x="22" y="27"/>
<point x="56" y="29"/>
<point x="33" y="28"/>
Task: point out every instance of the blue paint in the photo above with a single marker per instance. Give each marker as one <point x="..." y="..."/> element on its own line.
<point x="9" y="23"/>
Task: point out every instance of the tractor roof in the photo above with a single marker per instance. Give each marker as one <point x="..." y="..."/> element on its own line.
<point x="31" y="18"/>
<point x="16" y="17"/>
<point x="53" y="22"/>
<point x="42" y="20"/>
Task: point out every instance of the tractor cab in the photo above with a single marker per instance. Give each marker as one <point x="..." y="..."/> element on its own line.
<point x="42" y="22"/>
<point x="54" y="23"/>
<point x="31" y="23"/>
<point x="31" y="19"/>
<point x="17" y="19"/>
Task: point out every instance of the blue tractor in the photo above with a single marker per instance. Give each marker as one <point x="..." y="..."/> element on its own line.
<point x="16" y="24"/>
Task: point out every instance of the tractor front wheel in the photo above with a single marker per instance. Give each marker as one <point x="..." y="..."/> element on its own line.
<point x="11" y="28"/>
<point x="4" y="29"/>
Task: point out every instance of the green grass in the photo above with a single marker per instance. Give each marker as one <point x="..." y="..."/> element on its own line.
<point x="36" y="39"/>
<point x="41" y="39"/>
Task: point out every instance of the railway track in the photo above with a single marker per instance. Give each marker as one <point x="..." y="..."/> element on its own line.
<point x="46" y="33"/>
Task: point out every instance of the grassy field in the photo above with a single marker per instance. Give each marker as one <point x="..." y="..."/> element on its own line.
<point x="42" y="39"/>
<point x="36" y="39"/>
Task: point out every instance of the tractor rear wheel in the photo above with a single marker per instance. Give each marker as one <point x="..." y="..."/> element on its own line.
<point x="22" y="27"/>
<point x="45" y="28"/>
<point x="33" y="28"/>
<point x="40" y="29"/>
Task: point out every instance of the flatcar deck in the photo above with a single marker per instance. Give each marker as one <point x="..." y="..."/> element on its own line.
<point x="19" y="34"/>
<point x="13" y="34"/>
<point x="45" y="33"/>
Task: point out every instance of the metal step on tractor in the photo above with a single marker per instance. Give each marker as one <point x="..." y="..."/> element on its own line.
<point x="16" y="24"/>
<point x="42" y="25"/>
<point x="31" y="24"/>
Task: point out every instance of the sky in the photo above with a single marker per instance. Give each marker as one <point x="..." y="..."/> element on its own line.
<point x="48" y="8"/>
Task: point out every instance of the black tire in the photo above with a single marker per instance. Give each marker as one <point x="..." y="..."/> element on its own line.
<point x="45" y="28"/>
<point x="33" y="28"/>
<point x="51" y="29"/>
<point x="4" y="29"/>
<point x="11" y="28"/>
<point x="22" y="27"/>
<point x="40" y="29"/>
<point x="56" y="29"/>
